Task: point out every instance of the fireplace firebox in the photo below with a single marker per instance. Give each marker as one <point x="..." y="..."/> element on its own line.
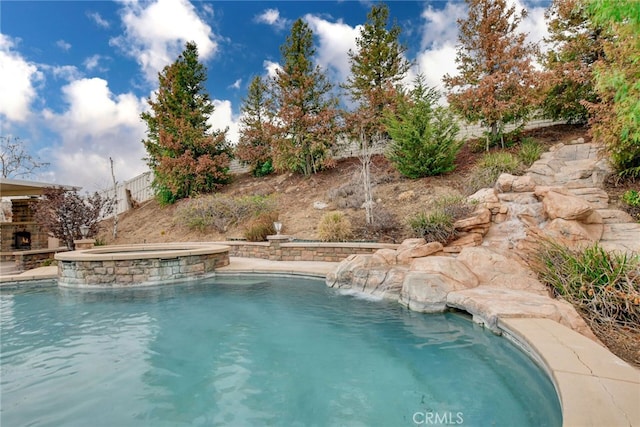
<point x="22" y="240"/>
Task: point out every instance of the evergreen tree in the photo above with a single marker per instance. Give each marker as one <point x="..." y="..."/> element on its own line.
<point x="254" y="145"/>
<point x="186" y="156"/>
<point x="575" y="45"/>
<point x="307" y="113"/>
<point x="377" y="67"/>
<point x="496" y="84"/>
<point x="616" y="120"/>
<point x="423" y="134"/>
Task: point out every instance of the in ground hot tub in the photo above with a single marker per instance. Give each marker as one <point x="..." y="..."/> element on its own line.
<point x="139" y="265"/>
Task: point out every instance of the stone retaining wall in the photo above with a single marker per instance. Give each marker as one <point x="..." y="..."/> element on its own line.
<point x="27" y="260"/>
<point x="85" y="268"/>
<point x="283" y="250"/>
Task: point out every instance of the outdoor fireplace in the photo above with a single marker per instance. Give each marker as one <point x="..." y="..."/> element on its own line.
<point x="22" y="240"/>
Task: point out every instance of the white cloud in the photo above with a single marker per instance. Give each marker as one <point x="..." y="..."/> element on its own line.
<point x="63" y="45"/>
<point x="17" y="77"/>
<point x="222" y="118"/>
<point x="97" y="125"/>
<point x="156" y="32"/>
<point x="535" y="25"/>
<point x="335" y="40"/>
<point x="93" y="63"/>
<point x="441" y="26"/>
<point x="65" y="72"/>
<point x="236" y="84"/>
<point x="272" y="17"/>
<point x="435" y="63"/>
<point x="271" y="68"/>
<point x="99" y="20"/>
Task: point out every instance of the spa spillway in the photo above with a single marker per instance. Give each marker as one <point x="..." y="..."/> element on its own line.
<point x="139" y="265"/>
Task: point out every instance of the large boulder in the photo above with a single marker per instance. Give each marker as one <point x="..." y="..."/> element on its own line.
<point x="489" y="303"/>
<point x="511" y="183"/>
<point x="501" y="269"/>
<point x="564" y="206"/>
<point x="574" y="234"/>
<point x="370" y="274"/>
<point x="430" y="279"/>
<point x="479" y="219"/>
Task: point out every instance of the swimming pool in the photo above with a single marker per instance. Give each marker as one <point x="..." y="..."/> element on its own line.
<point x="255" y="351"/>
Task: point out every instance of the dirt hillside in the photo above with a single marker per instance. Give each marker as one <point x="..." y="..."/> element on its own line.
<point x="297" y="194"/>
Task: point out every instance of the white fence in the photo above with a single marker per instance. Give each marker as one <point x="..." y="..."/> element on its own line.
<point x="132" y="191"/>
<point x="138" y="189"/>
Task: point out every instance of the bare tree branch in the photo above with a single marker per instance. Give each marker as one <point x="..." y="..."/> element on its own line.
<point x="15" y="161"/>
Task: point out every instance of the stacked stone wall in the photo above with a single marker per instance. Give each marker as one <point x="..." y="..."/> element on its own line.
<point x="295" y="251"/>
<point x="147" y="271"/>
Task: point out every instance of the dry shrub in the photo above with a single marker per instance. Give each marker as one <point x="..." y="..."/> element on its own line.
<point x="221" y="211"/>
<point x="334" y="227"/>
<point x="485" y="173"/>
<point x="260" y="227"/>
<point x="604" y="287"/>
<point x="456" y="206"/>
<point x="384" y="220"/>
<point x="349" y="195"/>
<point x="436" y="226"/>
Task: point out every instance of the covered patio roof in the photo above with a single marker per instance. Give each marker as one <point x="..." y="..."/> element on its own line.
<point x="18" y="187"/>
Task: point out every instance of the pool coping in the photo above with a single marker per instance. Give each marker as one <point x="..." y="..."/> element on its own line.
<point x="594" y="386"/>
<point x="141" y="251"/>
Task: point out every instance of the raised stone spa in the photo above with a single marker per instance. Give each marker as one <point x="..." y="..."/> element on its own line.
<point x="139" y="265"/>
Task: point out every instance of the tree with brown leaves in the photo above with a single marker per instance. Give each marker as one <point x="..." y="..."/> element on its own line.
<point x="186" y="156"/>
<point x="496" y="84"/>
<point x="377" y="68"/>
<point x="62" y="212"/>
<point x="254" y="144"/>
<point x="306" y="127"/>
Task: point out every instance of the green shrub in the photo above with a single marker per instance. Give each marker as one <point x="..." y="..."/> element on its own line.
<point x="436" y="226"/>
<point x="100" y="242"/>
<point x="48" y="262"/>
<point x="260" y="227"/>
<point x="604" y="286"/>
<point x="334" y="227"/>
<point x="423" y="135"/>
<point x="164" y="196"/>
<point x="631" y="199"/>
<point x="529" y="151"/>
<point x="263" y="169"/>
<point x="485" y="173"/>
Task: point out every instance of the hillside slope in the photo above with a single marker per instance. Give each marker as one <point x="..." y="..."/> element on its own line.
<point x="296" y="196"/>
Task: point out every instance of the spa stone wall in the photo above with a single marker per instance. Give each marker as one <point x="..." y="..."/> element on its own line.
<point x="131" y="272"/>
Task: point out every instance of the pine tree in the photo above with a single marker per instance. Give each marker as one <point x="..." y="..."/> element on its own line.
<point x="254" y="145"/>
<point x="497" y="83"/>
<point x="186" y="156"/>
<point x="575" y="45"/>
<point x="307" y="112"/>
<point x="377" y="68"/>
<point x="423" y="134"/>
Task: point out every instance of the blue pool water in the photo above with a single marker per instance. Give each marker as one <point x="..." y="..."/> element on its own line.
<point x="255" y="352"/>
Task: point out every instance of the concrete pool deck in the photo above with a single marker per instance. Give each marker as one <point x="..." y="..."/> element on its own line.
<point x="595" y="387"/>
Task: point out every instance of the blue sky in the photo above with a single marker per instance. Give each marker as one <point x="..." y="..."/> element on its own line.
<point x="75" y="75"/>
